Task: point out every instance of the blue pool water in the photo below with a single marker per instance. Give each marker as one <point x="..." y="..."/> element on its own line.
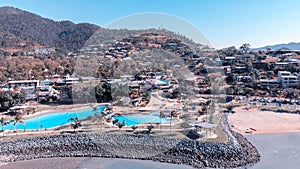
<point x="52" y="120"/>
<point x="132" y="120"/>
<point x="165" y="81"/>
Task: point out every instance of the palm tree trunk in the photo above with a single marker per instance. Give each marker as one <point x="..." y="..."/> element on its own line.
<point x="16" y="129"/>
<point x="160" y="123"/>
<point x="170" y="123"/>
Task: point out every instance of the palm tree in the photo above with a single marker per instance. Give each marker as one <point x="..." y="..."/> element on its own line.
<point x="161" y="115"/>
<point x="150" y="127"/>
<point x="76" y="123"/>
<point x="18" y="119"/>
<point x="134" y="128"/>
<point x="172" y="114"/>
<point x="120" y="125"/>
<point x="245" y="48"/>
<point x="3" y="123"/>
<point x="95" y="110"/>
<point x="114" y="122"/>
<point x="87" y="94"/>
<point x="101" y="119"/>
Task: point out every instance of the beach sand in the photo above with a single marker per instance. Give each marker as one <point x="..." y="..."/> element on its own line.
<point x="263" y="121"/>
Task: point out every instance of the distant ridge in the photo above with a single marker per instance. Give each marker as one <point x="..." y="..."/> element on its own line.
<point x="23" y="29"/>
<point x="291" y="46"/>
<point x="21" y="26"/>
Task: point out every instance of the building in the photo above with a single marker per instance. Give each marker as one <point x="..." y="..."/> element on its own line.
<point x="283" y="65"/>
<point x="243" y="79"/>
<point x="230" y="59"/>
<point x="268" y="82"/>
<point x="286" y="79"/>
<point x="23" y="83"/>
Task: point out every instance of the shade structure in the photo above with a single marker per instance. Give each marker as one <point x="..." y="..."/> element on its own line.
<point x="203" y="125"/>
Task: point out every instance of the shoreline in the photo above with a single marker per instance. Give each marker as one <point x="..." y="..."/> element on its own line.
<point x="236" y="152"/>
<point x="268" y="154"/>
<point x="264" y="122"/>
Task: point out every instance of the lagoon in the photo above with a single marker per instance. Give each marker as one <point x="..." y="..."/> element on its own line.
<point x="131" y="120"/>
<point x="52" y="120"/>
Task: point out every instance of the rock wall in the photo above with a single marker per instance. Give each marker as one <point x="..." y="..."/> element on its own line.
<point x="237" y="151"/>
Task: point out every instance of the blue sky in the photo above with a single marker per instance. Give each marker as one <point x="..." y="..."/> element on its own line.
<point x="223" y="22"/>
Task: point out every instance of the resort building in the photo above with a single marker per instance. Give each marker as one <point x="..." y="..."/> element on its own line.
<point x="286" y="79"/>
<point x="230" y="59"/>
<point x="23" y="83"/>
<point x="244" y="79"/>
<point x="268" y="82"/>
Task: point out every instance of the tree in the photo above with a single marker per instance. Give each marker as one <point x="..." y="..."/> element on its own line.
<point x="172" y="114"/>
<point x="115" y="121"/>
<point x="121" y="124"/>
<point x="229" y="108"/>
<point x="95" y="110"/>
<point x="3" y="123"/>
<point x="103" y="92"/>
<point x="134" y="128"/>
<point x="245" y="48"/>
<point x="291" y="94"/>
<point x="18" y="96"/>
<point x="150" y="127"/>
<point x="101" y="119"/>
<point x="6" y="99"/>
<point x="18" y="119"/>
<point x="161" y="115"/>
<point x="75" y="123"/>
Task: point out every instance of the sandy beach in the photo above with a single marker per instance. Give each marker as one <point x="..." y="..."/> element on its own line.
<point x="263" y="121"/>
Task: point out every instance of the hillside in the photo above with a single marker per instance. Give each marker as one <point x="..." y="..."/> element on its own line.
<point x="47" y="47"/>
<point x="21" y="29"/>
<point x="18" y="25"/>
<point x="291" y="46"/>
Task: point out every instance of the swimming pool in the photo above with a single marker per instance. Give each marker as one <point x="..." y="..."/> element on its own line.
<point x="52" y="120"/>
<point x="132" y="120"/>
<point x="165" y="81"/>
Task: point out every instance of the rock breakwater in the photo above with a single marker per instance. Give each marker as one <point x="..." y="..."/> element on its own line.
<point x="237" y="151"/>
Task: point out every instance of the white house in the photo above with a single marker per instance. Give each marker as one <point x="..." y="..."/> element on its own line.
<point x="268" y="82"/>
<point x="286" y="79"/>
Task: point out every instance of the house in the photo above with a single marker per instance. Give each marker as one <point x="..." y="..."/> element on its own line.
<point x="239" y="69"/>
<point x="260" y="65"/>
<point x="243" y="79"/>
<point x="230" y="59"/>
<point x="268" y="82"/>
<point x="21" y="109"/>
<point x="23" y="83"/>
<point x="286" y="79"/>
<point x="282" y="64"/>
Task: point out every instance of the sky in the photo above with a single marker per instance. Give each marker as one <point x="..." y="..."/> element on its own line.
<point x="223" y="22"/>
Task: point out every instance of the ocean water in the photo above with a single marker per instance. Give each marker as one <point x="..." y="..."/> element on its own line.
<point x="113" y="163"/>
<point x="278" y="151"/>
